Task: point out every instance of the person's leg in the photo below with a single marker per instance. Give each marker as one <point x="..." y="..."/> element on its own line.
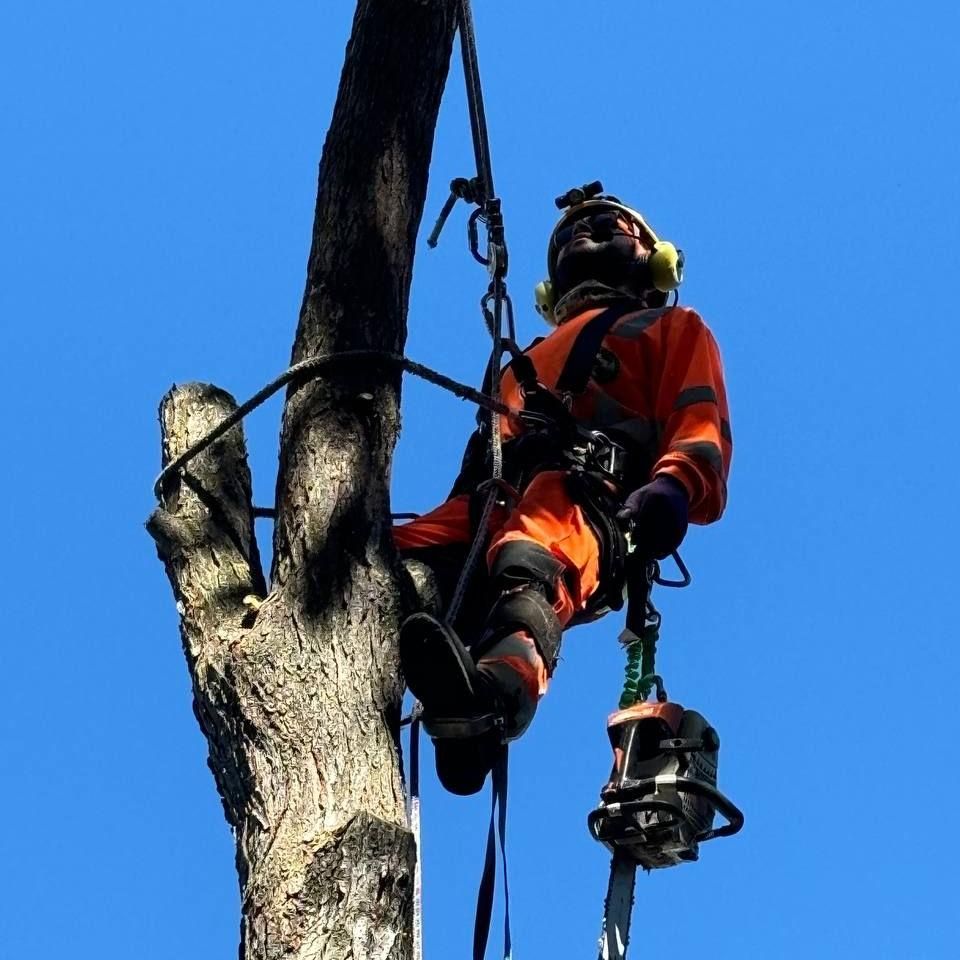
<point x="545" y="566"/>
<point x="436" y="661"/>
<point x="448" y="523"/>
<point x="433" y="547"/>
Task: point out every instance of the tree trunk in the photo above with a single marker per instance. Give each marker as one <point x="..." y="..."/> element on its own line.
<point x="297" y="689"/>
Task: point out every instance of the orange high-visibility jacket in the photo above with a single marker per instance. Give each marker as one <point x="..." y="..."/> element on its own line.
<point x="657" y="380"/>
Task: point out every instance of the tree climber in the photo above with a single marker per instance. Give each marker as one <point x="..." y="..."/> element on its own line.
<point x="623" y="429"/>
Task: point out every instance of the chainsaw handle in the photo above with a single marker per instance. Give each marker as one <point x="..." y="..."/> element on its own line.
<point x="643" y="788"/>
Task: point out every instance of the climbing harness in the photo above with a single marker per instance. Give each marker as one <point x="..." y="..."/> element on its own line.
<point x="660" y="801"/>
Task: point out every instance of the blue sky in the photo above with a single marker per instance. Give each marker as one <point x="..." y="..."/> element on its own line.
<point x="157" y="179"/>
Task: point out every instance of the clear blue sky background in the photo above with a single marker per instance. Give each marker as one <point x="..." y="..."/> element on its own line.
<point x="157" y="179"/>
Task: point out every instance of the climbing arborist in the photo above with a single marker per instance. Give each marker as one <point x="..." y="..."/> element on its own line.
<point x="622" y="433"/>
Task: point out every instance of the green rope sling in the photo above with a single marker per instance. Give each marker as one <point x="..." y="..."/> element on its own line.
<point x="640" y="678"/>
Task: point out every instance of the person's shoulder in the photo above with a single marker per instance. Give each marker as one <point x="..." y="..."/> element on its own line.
<point x="685" y="320"/>
<point x="683" y="315"/>
<point x="638" y="321"/>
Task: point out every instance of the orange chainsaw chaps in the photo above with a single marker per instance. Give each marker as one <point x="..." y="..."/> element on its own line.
<point x="545" y="515"/>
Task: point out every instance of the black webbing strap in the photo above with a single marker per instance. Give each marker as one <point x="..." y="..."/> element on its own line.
<point x="576" y="371"/>
<point x="488" y="882"/>
<point x="414" y="790"/>
<point x="520" y="364"/>
<point x="413" y="819"/>
<point x="639" y="588"/>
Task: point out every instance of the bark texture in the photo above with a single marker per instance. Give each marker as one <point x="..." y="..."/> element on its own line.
<point x="297" y="687"/>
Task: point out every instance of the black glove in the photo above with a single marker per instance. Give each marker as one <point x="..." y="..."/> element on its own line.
<point x="658" y="512"/>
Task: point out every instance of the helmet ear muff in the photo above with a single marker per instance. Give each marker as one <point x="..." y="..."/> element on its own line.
<point x="665" y="265"/>
<point x="545" y="301"/>
<point x="663" y="268"/>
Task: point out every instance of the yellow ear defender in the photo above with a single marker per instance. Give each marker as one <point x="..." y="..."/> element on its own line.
<point x="545" y="301"/>
<point x="664" y="263"/>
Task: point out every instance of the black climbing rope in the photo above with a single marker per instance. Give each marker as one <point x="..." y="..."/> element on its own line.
<point x="310" y="369"/>
<point x="495" y="305"/>
<point x="478" y="117"/>
<point x="496" y="302"/>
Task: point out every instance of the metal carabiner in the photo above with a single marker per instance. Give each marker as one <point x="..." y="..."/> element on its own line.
<point x="686" y="580"/>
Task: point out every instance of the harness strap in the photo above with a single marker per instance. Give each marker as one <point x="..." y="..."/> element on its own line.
<point x="576" y="371"/>
<point x="579" y="364"/>
<point x="520" y="364"/>
<point x="488" y="881"/>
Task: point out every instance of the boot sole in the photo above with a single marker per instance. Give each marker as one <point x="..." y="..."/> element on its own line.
<point x="437" y="667"/>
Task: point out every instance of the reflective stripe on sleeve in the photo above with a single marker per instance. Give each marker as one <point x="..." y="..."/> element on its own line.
<point x="694" y="395"/>
<point x="703" y="449"/>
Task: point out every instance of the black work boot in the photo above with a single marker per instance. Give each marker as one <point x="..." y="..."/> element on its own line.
<point x="461" y="708"/>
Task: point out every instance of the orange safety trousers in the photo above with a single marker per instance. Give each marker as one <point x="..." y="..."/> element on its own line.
<point x="546" y="515"/>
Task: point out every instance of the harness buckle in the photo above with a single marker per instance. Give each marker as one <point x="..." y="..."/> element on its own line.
<point x="610" y="457"/>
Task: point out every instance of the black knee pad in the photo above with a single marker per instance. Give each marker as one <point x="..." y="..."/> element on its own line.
<point x="529" y="610"/>
<point x="526" y="575"/>
<point x="520" y="562"/>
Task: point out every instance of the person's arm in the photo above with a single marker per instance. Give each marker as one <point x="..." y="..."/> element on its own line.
<point x="691" y="401"/>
